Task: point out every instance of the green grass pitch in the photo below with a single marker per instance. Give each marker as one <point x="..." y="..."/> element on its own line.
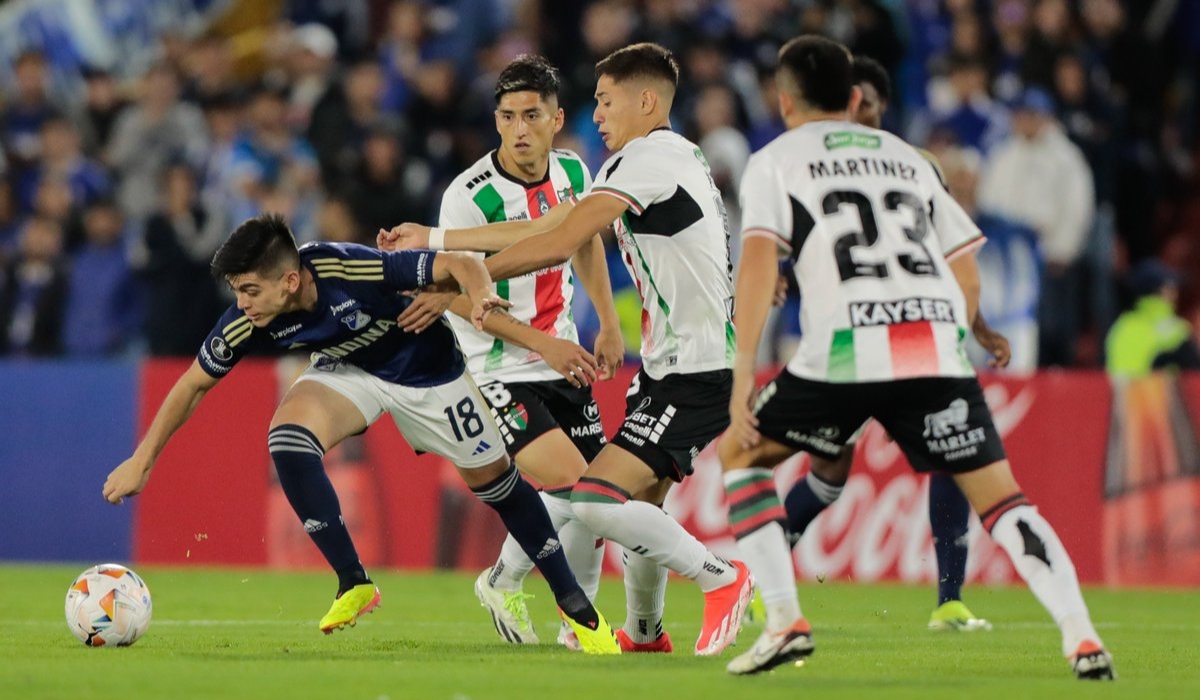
<point x="253" y="634"/>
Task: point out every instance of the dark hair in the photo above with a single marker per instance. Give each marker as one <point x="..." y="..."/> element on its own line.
<point x="262" y="244"/>
<point x="820" y="71"/>
<point x="868" y="70"/>
<point x="528" y="73"/>
<point x="643" y="60"/>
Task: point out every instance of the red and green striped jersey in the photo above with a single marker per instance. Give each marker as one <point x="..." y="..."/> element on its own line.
<point x="484" y="194"/>
<point x="869" y="226"/>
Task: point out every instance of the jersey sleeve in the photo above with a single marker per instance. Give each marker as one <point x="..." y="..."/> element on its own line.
<point x="766" y="211"/>
<point x="408" y="269"/>
<point x="230" y="339"/>
<point x="956" y="233"/>
<point x="403" y="270"/>
<point x="458" y="210"/>
<point x="577" y="173"/>
<point x="636" y="178"/>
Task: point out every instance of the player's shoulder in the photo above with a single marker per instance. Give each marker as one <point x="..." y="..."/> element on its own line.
<point x="661" y="149"/>
<point x="318" y="252"/>
<point x="468" y="182"/>
<point x="336" y="259"/>
<point x="566" y="155"/>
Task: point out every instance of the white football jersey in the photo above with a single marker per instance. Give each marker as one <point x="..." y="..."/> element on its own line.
<point x="869" y="225"/>
<point x="674" y="239"/>
<point x="485" y="194"/>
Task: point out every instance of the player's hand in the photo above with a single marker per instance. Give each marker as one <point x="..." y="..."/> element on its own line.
<point x="610" y="352"/>
<point x="781" y="289"/>
<point x="996" y="345"/>
<point x="575" y="364"/>
<point x="425" y="310"/>
<point x="485" y="303"/>
<point x="128" y="479"/>
<point x="403" y="237"/>
<point x="743" y="425"/>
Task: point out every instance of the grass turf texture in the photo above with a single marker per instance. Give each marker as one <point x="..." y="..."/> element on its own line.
<point x="253" y="634"/>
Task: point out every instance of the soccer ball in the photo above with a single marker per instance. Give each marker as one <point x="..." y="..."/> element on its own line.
<point x="108" y="605"/>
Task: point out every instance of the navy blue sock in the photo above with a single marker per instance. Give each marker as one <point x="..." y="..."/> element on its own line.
<point x="808" y="497"/>
<point x="949" y="512"/>
<point x="527" y="521"/>
<point x="297" y="455"/>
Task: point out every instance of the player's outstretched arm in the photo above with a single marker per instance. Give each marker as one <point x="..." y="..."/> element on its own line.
<point x="757" y="275"/>
<point x="966" y="272"/>
<point x="592" y="269"/>
<point x="472" y="276"/>
<point x="130" y="476"/>
<point x="575" y="364"/>
<point x="554" y="247"/>
<point x="488" y="238"/>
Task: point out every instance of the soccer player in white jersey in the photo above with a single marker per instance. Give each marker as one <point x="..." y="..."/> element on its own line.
<point x="949" y="511"/>
<point x="657" y="192"/>
<point x="878" y="244"/>
<point x="551" y="425"/>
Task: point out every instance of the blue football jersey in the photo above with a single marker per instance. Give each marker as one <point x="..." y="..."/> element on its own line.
<point x="358" y="300"/>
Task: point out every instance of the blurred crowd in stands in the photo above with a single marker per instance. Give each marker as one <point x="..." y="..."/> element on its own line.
<point x="1068" y="128"/>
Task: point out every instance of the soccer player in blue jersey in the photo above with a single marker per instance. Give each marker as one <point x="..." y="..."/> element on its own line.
<point x="949" y="511"/>
<point x="340" y="302"/>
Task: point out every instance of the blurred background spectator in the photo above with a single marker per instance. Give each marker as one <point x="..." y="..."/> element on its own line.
<point x="135" y="133"/>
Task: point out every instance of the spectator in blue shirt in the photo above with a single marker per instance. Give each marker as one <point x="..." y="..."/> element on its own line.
<point x="102" y="305"/>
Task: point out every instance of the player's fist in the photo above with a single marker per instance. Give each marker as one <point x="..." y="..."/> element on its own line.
<point x="403" y="237"/>
<point x="128" y="479"/>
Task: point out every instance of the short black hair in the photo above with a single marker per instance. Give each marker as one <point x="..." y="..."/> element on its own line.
<point x="868" y="70"/>
<point x="262" y="244"/>
<point x="644" y="60"/>
<point x="528" y="73"/>
<point x="819" y="70"/>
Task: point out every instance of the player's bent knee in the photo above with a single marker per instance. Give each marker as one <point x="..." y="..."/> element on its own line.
<point x="595" y="515"/>
<point x="987" y="486"/>
<point x="479" y="476"/>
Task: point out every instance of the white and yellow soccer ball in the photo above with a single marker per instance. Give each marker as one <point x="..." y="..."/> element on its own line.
<point x="108" y="605"/>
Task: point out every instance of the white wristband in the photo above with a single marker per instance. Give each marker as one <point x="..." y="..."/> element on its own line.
<point x="437" y="239"/>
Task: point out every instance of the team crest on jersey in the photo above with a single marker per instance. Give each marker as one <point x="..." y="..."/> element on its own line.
<point x="221" y="349"/>
<point x="566" y="193"/>
<point x="357" y="321"/>
<point x="517" y="417"/>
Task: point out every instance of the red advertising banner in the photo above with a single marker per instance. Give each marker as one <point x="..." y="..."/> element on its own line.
<point x="206" y="500"/>
<point x="1117" y="472"/>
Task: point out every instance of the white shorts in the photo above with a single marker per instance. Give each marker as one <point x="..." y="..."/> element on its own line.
<point x="451" y="420"/>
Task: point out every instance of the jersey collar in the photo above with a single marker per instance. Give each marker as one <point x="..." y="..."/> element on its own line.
<point x="512" y="178"/>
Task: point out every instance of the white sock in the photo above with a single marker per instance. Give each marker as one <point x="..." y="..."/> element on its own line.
<point x="1040" y="559"/>
<point x="645" y="597"/>
<point x="647" y="530"/>
<point x="754" y="514"/>
<point x="584" y="552"/>
<point x="513" y="565"/>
